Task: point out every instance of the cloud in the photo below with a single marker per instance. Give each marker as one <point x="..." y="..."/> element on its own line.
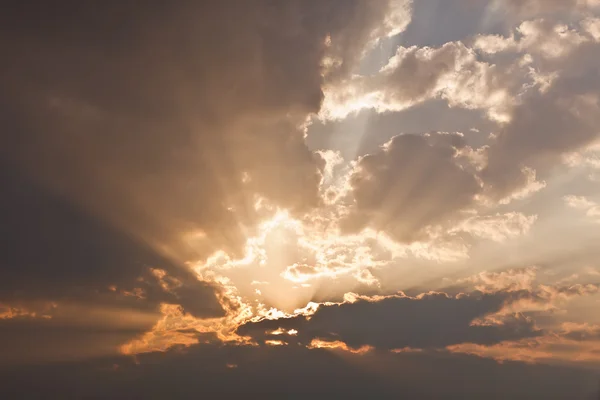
<point x="529" y="295"/>
<point x="592" y="27"/>
<point x="138" y="140"/>
<point x="571" y="344"/>
<point x="430" y="320"/>
<point x="10" y="311"/>
<point x="300" y="272"/>
<point x="297" y="256"/>
<point x="39" y="332"/>
<point x="54" y="251"/>
<point x="544" y="300"/>
<point x="555" y="77"/>
<point x="498" y="227"/>
<point x="557" y="114"/>
<point x="591" y="208"/>
<point x="413" y="183"/>
<point x="500" y="309"/>
<point x="414" y="75"/>
<point x="164" y="191"/>
<point x="179" y="118"/>
<point x="582" y="332"/>
<point x="268" y="372"/>
<point x="586" y="158"/>
<point x="509" y="280"/>
<point x="537" y="133"/>
<point x="538" y="37"/>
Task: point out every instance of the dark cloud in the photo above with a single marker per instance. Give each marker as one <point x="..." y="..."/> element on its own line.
<point x="432" y="320"/>
<point x="291" y="372"/>
<point x="28" y="341"/>
<point x="76" y="286"/>
<point x="152" y="115"/>
<point x="54" y="251"/>
<point x="412" y="183"/>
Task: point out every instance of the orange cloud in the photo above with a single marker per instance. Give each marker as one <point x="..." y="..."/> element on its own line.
<point x="338" y="345"/>
<point x="44" y="310"/>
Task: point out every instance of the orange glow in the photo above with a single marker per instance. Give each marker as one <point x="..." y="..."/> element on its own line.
<point x="167" y="282"/>
<point x="549" y="349"/>
<point x="167" y="331"/>
<point x="37" y="310"/>
<point x="338" y="345"/>
<point x="275" y="343"/>
<point x="280" y="331"/>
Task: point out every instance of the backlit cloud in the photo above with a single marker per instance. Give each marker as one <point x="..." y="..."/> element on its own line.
<point x="400" y="321"/>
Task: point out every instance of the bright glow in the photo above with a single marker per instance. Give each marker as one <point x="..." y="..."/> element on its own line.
<point x="337" y="345"/>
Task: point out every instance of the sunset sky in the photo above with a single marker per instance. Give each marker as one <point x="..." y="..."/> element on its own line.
<point x="378" y="199"/>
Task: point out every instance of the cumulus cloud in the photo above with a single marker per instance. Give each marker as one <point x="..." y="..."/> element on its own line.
<point x="536" y="100"/>
<point x="414" y="75"/>
<point x="556" y="114"/>
<point x="539" y="37"/>
<point x="543" y="128"/>
<point x="586" y="158"/>
<point x="591" y="208"/>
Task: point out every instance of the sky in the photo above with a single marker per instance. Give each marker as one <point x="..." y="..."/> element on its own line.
<point x="295" y="198"/>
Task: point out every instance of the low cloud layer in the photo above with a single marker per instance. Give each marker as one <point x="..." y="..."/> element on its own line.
<point x="433" y="320"/>
<point x="210" y="369"/>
